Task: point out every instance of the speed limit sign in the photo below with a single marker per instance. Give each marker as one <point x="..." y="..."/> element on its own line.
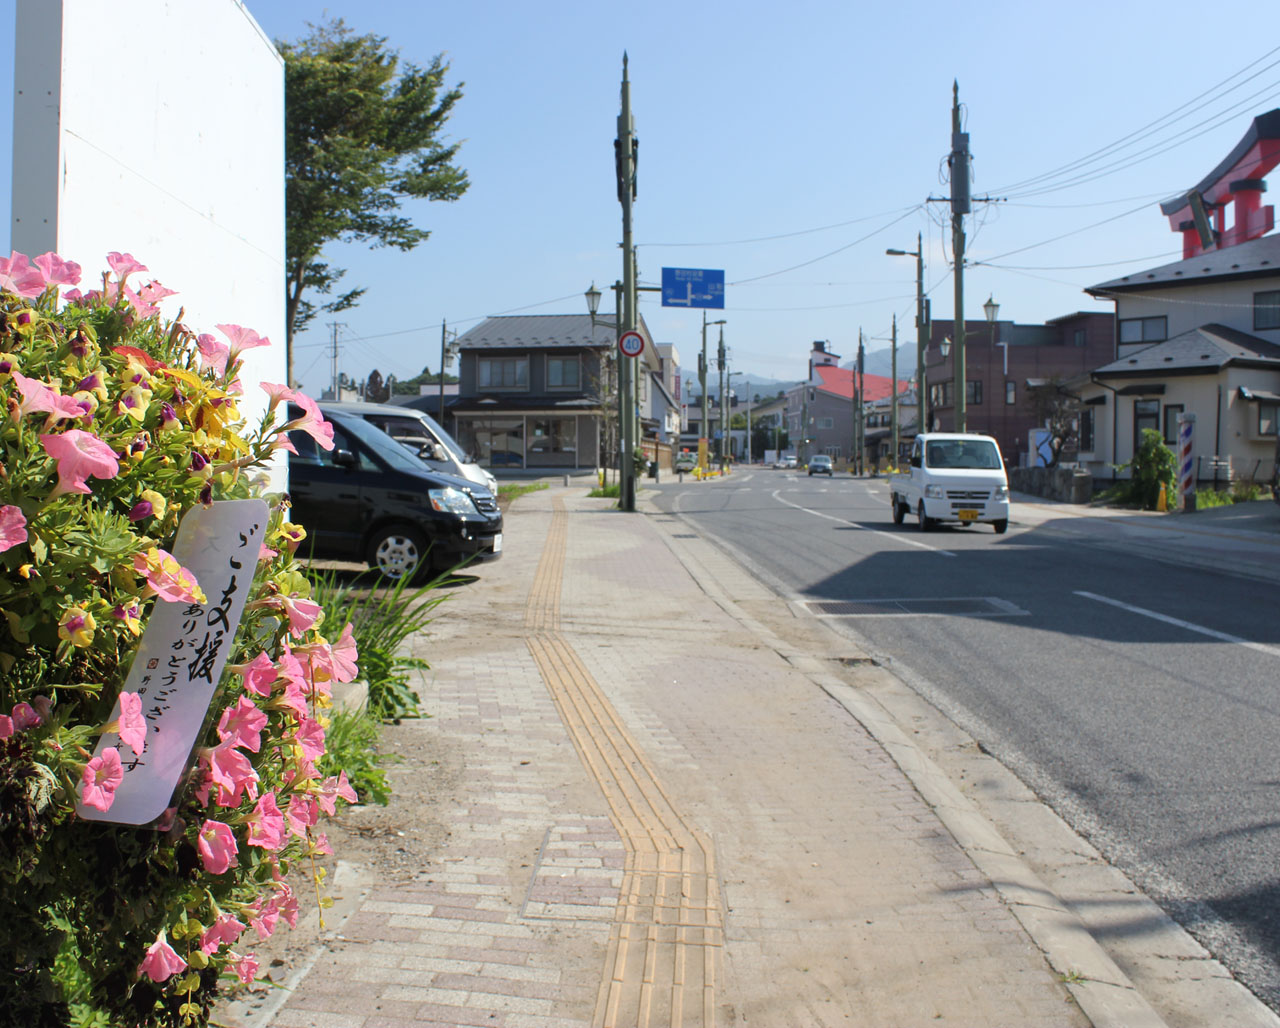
<point x="631" y="344"/>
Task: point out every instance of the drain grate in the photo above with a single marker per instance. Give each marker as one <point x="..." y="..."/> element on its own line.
<point x="961" y="606"/>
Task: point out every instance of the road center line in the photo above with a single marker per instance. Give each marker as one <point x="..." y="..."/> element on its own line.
<point x="1212" y="633"/>
<point x="895" y="536"/>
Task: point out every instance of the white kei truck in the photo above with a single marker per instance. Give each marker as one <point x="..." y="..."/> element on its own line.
<point x="953" y="477"/>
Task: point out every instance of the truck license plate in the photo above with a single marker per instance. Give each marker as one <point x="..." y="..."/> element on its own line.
<point x="967" y="515"/>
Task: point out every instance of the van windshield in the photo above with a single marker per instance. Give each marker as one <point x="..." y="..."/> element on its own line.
<point x="962" y="453"/>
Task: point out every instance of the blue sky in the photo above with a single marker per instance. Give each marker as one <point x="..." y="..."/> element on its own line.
<point x="804" y="136"/>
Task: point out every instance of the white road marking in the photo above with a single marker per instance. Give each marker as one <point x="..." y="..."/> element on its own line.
<point x="1212" y="633"/>
<point x="895" y="536"/>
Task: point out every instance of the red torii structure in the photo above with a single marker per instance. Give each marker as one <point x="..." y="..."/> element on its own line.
<point x="1200" y="213"/>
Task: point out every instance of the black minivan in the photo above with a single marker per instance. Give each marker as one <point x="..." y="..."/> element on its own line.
<point x="371" y="499"/>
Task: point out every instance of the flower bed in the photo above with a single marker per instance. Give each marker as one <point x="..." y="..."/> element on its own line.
<point x="117" y="423"/>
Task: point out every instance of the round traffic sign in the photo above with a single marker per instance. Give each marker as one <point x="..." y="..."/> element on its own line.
<point x="631" y="344"/>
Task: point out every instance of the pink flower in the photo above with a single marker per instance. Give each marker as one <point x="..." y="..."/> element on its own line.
<point x="231" y="772"/>
<point x="24" y="716"/>
<point x="263" y="918"/>
<point x="19" y="277"/>
<point x="266" y="824"/>
<point x="312" y="422"/>
<point x="217" y="847"/>
<point x="102" y="776"/>
<point x="302" y="614"/>
<point x="153" y="292"/>
<point x="333" y="790"/>
<point x="310" y="736"/>
<point x="332" y="663"/>
<point x="38" y="398"/>
<point x="258" y="674"/>
<point x="275" y="393"/>
<point x="242" y="339"/>
<point x="56" y="271"/>
<point x="242" y="725"/>
<point x="133" y="726"/>
<point x="124" y="264"/>
<point x="161" y="962"/>
<point x="214" y="353"/>
<point x="287" y="903"/>
<point x="80" y="455"/>
<point x="245" y="968"/>
<point x="6" y="727"/>
<point x="345" y="667"/>
<point x="167" y="578"/>
<point x="224" y="931"/>
<point x="13" y="527"/>
<point x="302" y="813"/>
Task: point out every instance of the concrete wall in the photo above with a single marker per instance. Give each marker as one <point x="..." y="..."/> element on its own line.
<point x="157" y="129"/>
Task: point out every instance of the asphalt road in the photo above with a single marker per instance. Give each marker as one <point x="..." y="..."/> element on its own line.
<point x="1155" y="740"/>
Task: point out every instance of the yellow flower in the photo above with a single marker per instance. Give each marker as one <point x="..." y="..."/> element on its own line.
<point x="77" y="626"/>
<point x="27" y="570"/>
<point x="158" y="503"/>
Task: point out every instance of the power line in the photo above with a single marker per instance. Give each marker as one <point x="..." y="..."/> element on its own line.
<point x="790" y="235"/>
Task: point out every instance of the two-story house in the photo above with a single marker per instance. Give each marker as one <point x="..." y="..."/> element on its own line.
<point x="540" y="391"/>
<point x="1200" y="335"/>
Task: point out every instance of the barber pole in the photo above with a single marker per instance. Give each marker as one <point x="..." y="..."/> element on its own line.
<point x="1186" y="466"/>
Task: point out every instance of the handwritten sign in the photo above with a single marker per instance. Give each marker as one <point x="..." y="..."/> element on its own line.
<point x="183" y="650"/>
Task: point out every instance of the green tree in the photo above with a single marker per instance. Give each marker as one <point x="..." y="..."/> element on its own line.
<point x="1153" y="464"/>
<point x="409" y="386"/>
<point x="363" y="133"/>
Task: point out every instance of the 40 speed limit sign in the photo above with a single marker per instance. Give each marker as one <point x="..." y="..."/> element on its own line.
<point x="631" y="344"/>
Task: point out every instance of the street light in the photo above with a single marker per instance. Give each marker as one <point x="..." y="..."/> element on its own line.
<point x="593" y="305"/>
<point x="704" y="444"/>
<point x="743" y="374"/>
<point x="922" y="325"/>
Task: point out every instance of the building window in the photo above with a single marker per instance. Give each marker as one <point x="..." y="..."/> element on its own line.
<point x="1077" y="337"/>
<point x="825" y="422"/>
<point x="563" y="373"/>
<point x="1171" y="412"/>
<point x="942" y="394"/>
<point x="973" y="392"/>
<point x="1011" y="393"/>
<point x="553" y="441"/>
<point x="1144" y="330"/>
<point x="1266" y="309"/>
<point x="1146" y="414"/>
<point x="1267" y="418"/>
<point x="503" y="372"/>
<point x="1085" y="442"/>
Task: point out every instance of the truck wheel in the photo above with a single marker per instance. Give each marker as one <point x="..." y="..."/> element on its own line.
<point x="926" y="522"/>
<point x="899" y="510"/>
<point x="1001" y="526"/>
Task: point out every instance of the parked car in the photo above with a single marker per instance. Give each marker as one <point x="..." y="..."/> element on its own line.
<point x="953" y="477"/>
<point x="685" y="461"/>
<point x="820" y="464"/>
<point x="371" y="499"/>
<point x="788" y="461"/>
<point x="422" y="433"/>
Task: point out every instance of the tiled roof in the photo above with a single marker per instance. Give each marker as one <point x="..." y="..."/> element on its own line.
<point x="1209" y="346"/>
<point x="523" y="331"/>
<point x="839" y="382"/>
<point x="1254" y="259"/>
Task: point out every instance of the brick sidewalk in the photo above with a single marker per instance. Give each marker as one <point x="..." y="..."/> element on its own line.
<point x="661" y="821"/>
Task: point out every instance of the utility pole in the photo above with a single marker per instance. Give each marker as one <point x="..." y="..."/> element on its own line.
<point x="893" y="389"/>
<point x="704" y="443"/>
<point x="861" y="393"/>
<point x="724" y="399"/>
<point x="625" y="161"/>
<point x="444" y="359"/>
<point x="960" y="206"/>
<point x="334" y="326"/>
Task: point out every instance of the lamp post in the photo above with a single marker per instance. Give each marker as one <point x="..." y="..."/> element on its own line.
<point x="704" y="444"/>
<point x="743" y="375"/>
<point x="922" y="326"/>
<point x="593" y="305"/>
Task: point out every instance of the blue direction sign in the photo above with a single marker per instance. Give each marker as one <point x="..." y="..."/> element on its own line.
<point x="692" y="287"/>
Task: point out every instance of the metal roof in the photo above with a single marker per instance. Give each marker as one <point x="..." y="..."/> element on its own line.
<point x="1210" y="346"/>
<point x="1255" y="259"/>
<point x="544" y="331"/>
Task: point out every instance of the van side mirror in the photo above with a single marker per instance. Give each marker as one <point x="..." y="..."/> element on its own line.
<point x="345" y="458"/>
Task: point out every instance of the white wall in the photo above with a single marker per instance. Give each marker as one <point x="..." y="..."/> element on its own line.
<point x="1189" y="307"/>
<point x="156" y="127"/>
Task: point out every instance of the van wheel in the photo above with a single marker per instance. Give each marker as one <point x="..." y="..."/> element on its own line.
<point x="899" y="510"/>
<point x="396" y="551"/>
<point x="1001" y="526"/>
<point x="926" y="522"/>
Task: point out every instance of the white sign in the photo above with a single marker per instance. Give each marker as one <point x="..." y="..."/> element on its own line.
<point x="631" y="344"/>
<point x="181" y="656"/>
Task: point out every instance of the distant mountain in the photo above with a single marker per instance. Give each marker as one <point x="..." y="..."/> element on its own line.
<point x="742" y="385"/>
<point x="880" y="362"/>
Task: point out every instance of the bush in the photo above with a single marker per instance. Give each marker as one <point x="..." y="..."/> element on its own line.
<point x="117" y="422"/>
<point x="1153" y="464"/>
<point x="1206" y="498"/>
